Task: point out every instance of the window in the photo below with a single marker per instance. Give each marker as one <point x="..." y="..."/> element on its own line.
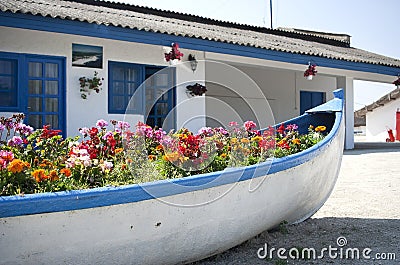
<point x="310" y="100"/>
<point x="124" y="79"/>
<point x="33" y="85"/>
<point x="156" y="100"/>
<point x="8" y="84"/>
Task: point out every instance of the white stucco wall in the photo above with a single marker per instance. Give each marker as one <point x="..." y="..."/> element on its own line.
<point x="79" y="112"/>
<point x="381" y="119"/>
<point x="280" y="87"/>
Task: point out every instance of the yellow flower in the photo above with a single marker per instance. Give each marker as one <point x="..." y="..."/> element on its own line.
<point x="296" y="141"/>
<point x="233" y="140"/>
<point x="245" y="140"/>
<point x="17" y="166"/>
<point x="256" y="138"/>
<point x="171" y="156"/>
<point x="320" y="128"/>
<point x="246" y="151"/>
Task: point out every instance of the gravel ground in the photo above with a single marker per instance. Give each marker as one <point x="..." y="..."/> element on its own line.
<point x="362" y="213"/>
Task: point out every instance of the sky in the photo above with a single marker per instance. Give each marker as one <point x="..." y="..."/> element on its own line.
<point x="372" y="25"/>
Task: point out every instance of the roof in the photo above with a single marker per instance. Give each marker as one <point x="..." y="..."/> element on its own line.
<point x="325" y="45"/>
<point x="393" y="95"/>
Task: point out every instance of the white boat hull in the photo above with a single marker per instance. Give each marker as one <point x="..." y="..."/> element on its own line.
<point x="159" y="231"/>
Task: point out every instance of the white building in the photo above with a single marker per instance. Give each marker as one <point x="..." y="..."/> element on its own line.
<point x="41" y="38"/>
<point x="381" y="116"/>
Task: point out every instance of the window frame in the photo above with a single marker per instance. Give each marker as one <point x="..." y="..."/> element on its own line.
<point x="111" y="94"/>
<point x="17" y="59"/>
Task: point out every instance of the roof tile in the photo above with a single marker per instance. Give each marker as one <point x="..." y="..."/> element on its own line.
<point x="73" y="10"/>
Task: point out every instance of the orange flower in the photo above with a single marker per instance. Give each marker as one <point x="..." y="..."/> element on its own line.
<point x="66" y="172"/>
<point x="223" y="155"/>
<point x="16" y="166"/>
<point x="152" y="157"/>
<point x="320" y="128"/>
<point x="118" y="150"/>
<point x="39" y="175"/>
<point x="296" y="141"/>
<point x="281" y="142"/>
<point x="53" y="175"/>
<point x="159" y="147"/>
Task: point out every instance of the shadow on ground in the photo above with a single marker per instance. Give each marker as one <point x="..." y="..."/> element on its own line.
<point x="382" y="236"/>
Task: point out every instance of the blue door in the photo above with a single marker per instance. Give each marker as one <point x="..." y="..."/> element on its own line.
<point x="45" y="92"/>
<point x="310" y="100"/>
<point x="160" y="87"/>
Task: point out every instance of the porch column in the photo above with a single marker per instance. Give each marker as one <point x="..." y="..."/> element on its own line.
<point x="347" y="84"/>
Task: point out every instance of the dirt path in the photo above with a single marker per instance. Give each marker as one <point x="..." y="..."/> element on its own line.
<point x="361" y="216"/>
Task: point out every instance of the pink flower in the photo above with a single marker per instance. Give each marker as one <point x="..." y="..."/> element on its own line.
<point x="250" y="125"/>
<point x="233" y="124"/>
<point x="24" y="129"/>
<point x="206" y="131"/>
<point x="107" y="135"/>
<point x="84" y="131"/>
<point x="222" y="131"/>
<point x="106" y="165"/>
<point x="123" y="125"/>
<point x="5" y="158"/>
<point x="15" y="141"/>
<point x="101" y="124"/>
<point x="292" y="127"/>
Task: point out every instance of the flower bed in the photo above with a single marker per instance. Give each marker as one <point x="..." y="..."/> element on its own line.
<point x="33" y="161"/>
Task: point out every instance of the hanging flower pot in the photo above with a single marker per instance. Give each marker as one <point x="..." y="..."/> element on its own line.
<point x="311" y="71"/>
<point x="173" y="62"/>
<point x="90" y="84"/>
<point x="174" y="55"/>
<point x="397" y="82"/>
<point x="196" y="89"/>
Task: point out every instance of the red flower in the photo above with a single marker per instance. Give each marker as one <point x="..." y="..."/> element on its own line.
<point x="174" y="53"/>
<point x="311" y="70"/>
<point x="48" y="133"/>
<point x="93" y="132"/>
<point x="281" y="129"/>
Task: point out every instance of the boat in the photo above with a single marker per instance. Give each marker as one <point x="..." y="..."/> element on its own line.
<point x="180" y="220"/>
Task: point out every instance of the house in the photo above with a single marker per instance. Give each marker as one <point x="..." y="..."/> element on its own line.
<point x="250" y="72"/>
<point x="381" y="116"/>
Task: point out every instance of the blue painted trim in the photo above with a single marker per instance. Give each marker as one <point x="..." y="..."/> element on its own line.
<point x="106" y="196"/>
<point x="26" y="21"/>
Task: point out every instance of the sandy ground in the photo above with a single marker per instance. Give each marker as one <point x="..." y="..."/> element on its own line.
<point x="362" y="213"/>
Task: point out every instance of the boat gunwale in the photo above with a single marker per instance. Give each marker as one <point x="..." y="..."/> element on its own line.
<point x="49" y="202"/>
